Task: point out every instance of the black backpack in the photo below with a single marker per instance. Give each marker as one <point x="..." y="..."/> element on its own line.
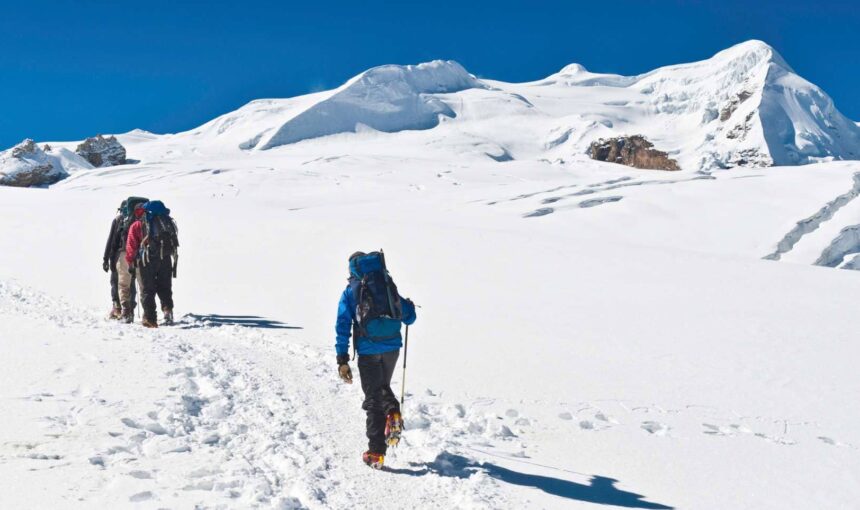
<point x="160" y="230"/>
<point x="378" y="311"/>
<point x="127" y="212"/>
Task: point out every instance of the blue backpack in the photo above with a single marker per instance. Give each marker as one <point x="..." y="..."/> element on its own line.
<point x="378" y="311"/>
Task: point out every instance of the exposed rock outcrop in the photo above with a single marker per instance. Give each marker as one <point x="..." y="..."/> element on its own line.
<point x="26" y="165"/>
<point x="101" y="151"/>
<point x="633" y="151"/>
<point x="733" y="104"/>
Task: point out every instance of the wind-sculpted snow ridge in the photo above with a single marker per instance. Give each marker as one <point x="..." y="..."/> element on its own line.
<point x="388" y="98"/>
<point x="800" y="122"/>
<point x="810" y="224"/>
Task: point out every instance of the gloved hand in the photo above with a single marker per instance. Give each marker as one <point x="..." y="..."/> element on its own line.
<point x="131" y="270"/>
<point x="345" y="373"/>
<point x="106" y="265"/>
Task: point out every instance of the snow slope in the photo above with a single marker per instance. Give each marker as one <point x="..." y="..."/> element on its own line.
<point x="595" y="356"/>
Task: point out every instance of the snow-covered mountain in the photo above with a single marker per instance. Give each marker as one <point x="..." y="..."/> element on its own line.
<point x="745" y="106"/>
<point x="590" y="334"/>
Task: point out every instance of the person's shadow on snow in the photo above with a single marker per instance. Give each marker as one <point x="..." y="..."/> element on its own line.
<point x="601" y="490"/>
<point x="194" y="320"/>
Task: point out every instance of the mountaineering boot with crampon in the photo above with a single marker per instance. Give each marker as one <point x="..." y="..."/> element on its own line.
<point x="149" y="324"/>
<point x="168" y="317"/>
<point x="374" y="460"/>
<point x="393" y="428"/>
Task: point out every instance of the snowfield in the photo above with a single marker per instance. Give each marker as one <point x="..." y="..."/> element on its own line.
<point x="590" y="335"/>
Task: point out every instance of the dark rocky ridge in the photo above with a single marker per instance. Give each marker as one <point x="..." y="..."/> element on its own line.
<point x="633" y="151"/>
<point x="101" y="151"/>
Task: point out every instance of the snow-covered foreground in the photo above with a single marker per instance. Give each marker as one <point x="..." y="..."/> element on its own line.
<point x="588" y="337"/>
<point x="105" y="416"/>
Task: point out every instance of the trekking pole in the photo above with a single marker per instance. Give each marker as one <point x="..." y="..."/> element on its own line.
<point x="403" y="382"/>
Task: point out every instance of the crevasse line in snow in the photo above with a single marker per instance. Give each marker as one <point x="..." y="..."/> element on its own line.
<point x="845" y="244"/>
<point x="811" y="224"/>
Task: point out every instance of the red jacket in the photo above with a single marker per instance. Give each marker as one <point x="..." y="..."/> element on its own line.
<point x="132" y="244"/>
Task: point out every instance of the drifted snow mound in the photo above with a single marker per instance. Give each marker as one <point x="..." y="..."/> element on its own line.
<point x="389" y="98"/>
<point x="26" y="164"/>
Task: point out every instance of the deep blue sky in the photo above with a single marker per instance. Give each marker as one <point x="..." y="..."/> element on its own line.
<point x="72" y="69"/>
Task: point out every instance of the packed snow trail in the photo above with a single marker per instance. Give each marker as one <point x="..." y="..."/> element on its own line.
<point x="214" y="415"/>
<point x="234" y="417"/>
<point x="245" y="419"/>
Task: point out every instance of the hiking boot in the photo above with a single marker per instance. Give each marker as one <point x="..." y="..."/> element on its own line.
<point x="374" y="460"/>
<point x="168" y="318"/>
<point x="393" y="428"/>
<point x="149" y="323"/>
<point x="127" y="316"/>
<point x="115" y="313"/>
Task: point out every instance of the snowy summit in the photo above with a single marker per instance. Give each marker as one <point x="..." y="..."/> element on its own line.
<point x="743" y="107"/>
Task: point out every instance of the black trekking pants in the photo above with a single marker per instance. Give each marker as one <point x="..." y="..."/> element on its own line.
<point x="156" y="279"/>
<point x="376" y="371"/>
<point x="114" y="285"/>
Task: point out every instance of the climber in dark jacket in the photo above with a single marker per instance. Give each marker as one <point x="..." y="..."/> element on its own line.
<point x="113" y="248"/>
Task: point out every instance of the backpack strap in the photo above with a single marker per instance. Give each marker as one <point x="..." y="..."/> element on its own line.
<point x="387" y="281"/>
<point x="354" y="288"/>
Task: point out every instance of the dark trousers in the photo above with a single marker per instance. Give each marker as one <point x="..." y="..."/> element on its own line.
<point x="114" y="286"/>
<point x="156" y="279"/>
<point x="376" y="371"/>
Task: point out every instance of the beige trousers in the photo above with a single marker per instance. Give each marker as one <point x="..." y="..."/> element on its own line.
<point x="125" y="282"/>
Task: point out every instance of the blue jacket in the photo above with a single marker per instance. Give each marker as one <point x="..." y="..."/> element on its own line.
<point x="343" y="327"/>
